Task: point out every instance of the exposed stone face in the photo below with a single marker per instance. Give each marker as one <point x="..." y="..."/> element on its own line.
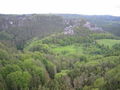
<point x="92" y="26"/>
<point x="70" y="24"/>
<point x="69" y="30"/>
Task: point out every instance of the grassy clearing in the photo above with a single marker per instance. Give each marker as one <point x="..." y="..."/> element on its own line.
<point x="108" y="42"/>
<point x="66" y="50"/>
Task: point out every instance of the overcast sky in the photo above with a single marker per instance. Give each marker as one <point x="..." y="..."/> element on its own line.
<point x="89" y="7"/>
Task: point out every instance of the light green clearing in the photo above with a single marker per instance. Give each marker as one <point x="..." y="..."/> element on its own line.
<point x="66" y="50"/>
<point x="108" y="42"/>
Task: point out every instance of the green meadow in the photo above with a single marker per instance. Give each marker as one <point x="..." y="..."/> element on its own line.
<point x="108" y="42"/>
<point x="67" y="50"/>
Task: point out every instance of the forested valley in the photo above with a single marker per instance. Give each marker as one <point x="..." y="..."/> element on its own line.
<point x="59" y="52"/>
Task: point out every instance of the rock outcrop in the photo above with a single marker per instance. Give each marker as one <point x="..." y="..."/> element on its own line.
<point x="92" y="27"/>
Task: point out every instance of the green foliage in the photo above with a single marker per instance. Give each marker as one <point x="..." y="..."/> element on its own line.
<point x="62" y="74"/>
<point x="9" y="69"/>
<point x="113" y="78"/>
<point x="4" y="55"/>
<point x="86" y="60"/>
<point x="67" y="50"/>
<point x="5" y="36"/>
<point x="99" y="83"/>
<point x="2" y="83"/>
<point x="103" y="36"/>
<point x="19" y="80"/>
<point x="50" y="67"/>
<point x="116" y="46"/>
<point x="108" y="42"/>
<point x="86" y="88"/>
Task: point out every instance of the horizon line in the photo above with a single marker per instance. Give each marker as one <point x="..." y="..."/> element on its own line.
<point x="57" y="13"/>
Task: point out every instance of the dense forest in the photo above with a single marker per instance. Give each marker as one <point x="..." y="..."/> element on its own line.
<point x="58" y="52"/>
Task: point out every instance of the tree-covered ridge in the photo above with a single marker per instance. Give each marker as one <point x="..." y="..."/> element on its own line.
<point x="22" y="28"/>
<point x="108" y="23"/>
<point x="85" y="60"/>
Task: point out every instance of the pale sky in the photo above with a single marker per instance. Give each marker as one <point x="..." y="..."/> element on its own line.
<point x="89" y="7"/>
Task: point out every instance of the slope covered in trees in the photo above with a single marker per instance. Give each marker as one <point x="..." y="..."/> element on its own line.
<point x="108" y="23"/>
<point x="84" y="60"/>
<point x="24" y="27"/>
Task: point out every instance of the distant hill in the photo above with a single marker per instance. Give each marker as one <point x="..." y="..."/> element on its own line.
<point x="21" y="28"/>
<point x="107" y="22"/>
<point x="25" y="27"/>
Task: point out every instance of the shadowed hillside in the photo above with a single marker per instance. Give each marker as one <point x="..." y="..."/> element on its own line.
<point x="25" y="27"/>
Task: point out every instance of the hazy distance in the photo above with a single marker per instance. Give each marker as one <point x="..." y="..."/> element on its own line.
<point x="89" y="7"/>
